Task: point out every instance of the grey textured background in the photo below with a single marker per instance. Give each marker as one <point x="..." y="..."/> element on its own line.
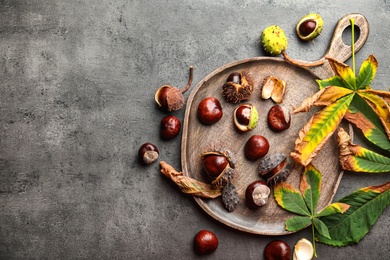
<point x="77" y="100"/>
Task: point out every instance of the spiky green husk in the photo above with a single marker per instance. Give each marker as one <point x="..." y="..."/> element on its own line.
<point x="274" y="40"/>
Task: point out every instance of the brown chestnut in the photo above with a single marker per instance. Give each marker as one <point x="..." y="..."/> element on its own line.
<point x="277" y="249"/>
<point x="205" y="242"/>
<point x="275" y="168"/>
<point x="209" y="111"/>
<point x="234" y="77"/>
<point x="170" y="127"/>
<point x="245" y="117"/>
<point x="256" y="147"/>
<point x="278" y="118"/>
<point x="148" y="153"/>
<point x="214" y="165"/>
<point x="257" y="194"/>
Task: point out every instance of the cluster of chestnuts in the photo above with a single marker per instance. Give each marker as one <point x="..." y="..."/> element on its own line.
<point x="169" y="99"/>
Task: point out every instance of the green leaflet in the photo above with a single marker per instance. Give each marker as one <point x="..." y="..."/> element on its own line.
<point x="321" y="228"/>
<point x="367" y="204"/>
<point x="333" y="81"/>
<point x="310" y="187"/>
<point x="345" y="72"/>
<point x="364" y="118"/>
<point x="290" y="199"/>
<point x="367" y="72"/>
<point x="297" y="223"/>
<point x="333" y="208"/>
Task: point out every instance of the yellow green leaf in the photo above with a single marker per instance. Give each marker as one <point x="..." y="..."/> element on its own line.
<point x="345" y="72"/>
<point x="356" y="158"/>
<point x="367" y="72"/>
<point x="333" y="208"/>
<point x="324" y="97"/>
<point x="318" y="130"/>
<point x="310" y="186"/>
<point x="380" y="107"/>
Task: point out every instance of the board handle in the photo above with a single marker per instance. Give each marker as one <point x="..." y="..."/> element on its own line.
<point x="338" y="49"/>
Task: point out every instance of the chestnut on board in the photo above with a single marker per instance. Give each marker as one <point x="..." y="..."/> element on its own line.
<point x="256" y="147"/>
<point x="209" y="111"/>
<point x="257" y="194"/>
<point x="278" y="118"/>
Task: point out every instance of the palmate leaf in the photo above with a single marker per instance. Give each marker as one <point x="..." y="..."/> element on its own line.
<point x="359" y="159"/>
<point x="310" y="186"/>
<point x="319" y="129"/>
<point x="363" y="117"/>
<point x="367" y="72"/>
<point x="367" y="204"/>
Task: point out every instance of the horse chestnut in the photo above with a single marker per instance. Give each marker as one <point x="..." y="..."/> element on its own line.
<point x="170" y="127"/>
<point x="214" y="165"/>
<point x="277" y="249"/>
<point x="209" y="111"/>
<point x="245" y="117"/>
<point x="205" y="242"/>
<point x="257" y="194"/>
<point x="256" y="147"/>
<point x="278" y="118"/>
<point x="148" y="153"/>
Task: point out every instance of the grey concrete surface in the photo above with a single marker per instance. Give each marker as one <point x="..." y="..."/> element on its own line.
<point x="77" y="83"/>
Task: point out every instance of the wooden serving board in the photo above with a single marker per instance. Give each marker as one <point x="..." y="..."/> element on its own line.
<point x="196" y="137"/>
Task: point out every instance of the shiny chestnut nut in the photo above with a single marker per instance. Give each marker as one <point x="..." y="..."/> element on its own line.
<point x="257" y="194"/>
<point x="169" y="127"/>
<point x="214" y="165"/>
<point x="218" y="165"/>
<point x="279" y="118"/>
<point x="245" y="117"/>
<point x="256" y="147"/>
<point x="148" y="153"/>
<point x="205" y="242"/>
<point x="309" y="27"/>
<point x="209" y="111"/>
<point x="277" y="249"/>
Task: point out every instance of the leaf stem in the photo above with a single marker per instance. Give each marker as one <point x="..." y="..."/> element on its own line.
<point x="314" y="240"/>
<point x="353" y="45"/>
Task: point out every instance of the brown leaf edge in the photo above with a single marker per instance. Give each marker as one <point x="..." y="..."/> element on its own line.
<point x="189" y="185"/>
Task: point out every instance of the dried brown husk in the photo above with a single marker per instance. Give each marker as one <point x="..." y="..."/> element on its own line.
<point x="235" y="93"/>
<point x="273" y="88"/>
<point x="189" y="185"/>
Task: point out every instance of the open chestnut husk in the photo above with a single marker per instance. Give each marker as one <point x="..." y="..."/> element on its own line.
<point x="275" y="168"/>
<point x="170" y="98"/>
<point x="219" y="166"/>
<point x="238" y="87"/>
<point x="309" y="27"/>
<point x="245" y="117"/>
<point x="273" y="88"/>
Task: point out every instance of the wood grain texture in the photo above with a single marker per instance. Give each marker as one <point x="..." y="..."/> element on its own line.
<point x="196" y="138"/>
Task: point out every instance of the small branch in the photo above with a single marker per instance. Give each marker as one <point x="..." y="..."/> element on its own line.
<point x="302" y="63"/>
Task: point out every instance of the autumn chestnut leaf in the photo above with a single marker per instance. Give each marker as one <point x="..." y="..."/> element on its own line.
<point x="347" y="96"/>
<point x="304" y="203"/>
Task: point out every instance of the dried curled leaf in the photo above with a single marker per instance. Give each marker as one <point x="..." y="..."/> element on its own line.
<point x="189" y="185"/>
<point x="356" y="158"/>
